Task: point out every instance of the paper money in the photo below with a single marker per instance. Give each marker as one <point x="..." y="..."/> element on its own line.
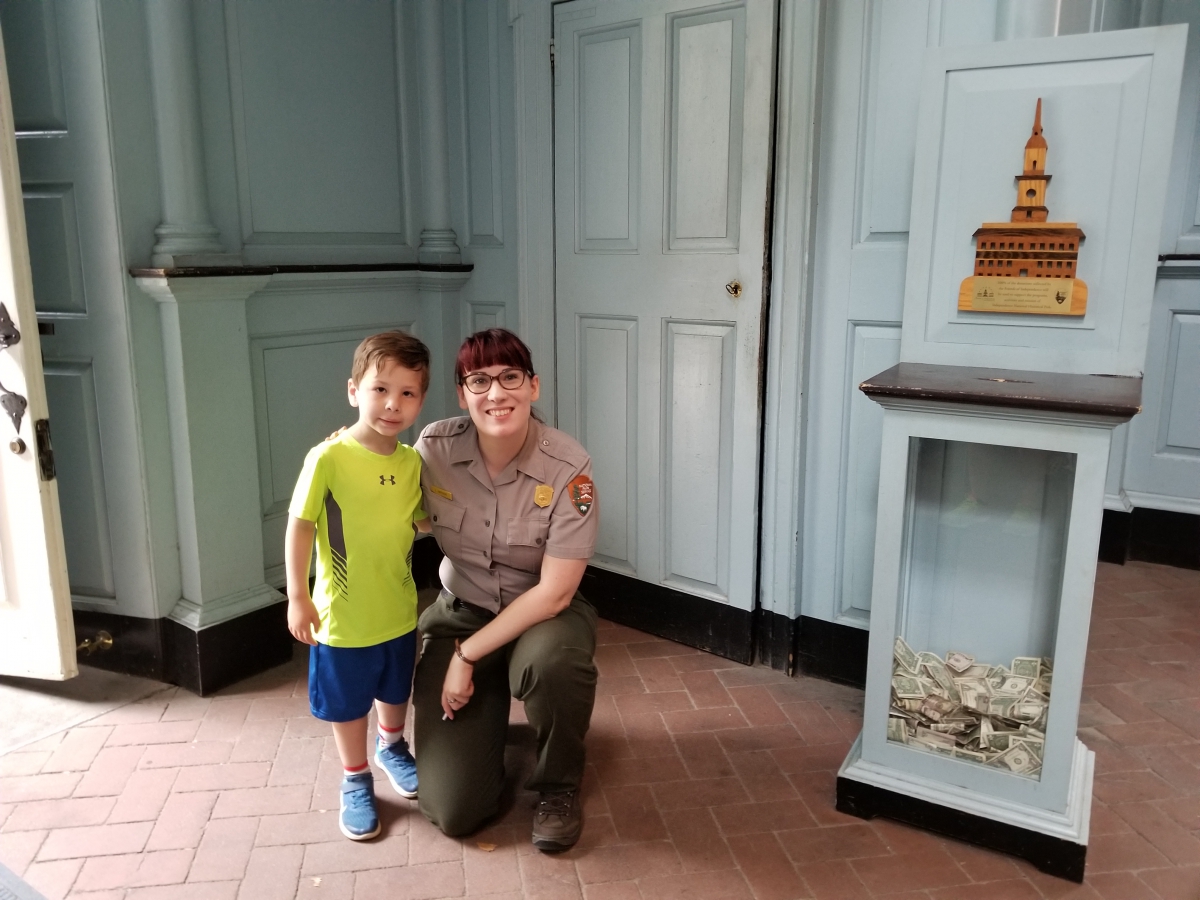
<point x="972" y="711"/>
<point x="1014" y="686"/>
<point x="904" y="655"/>
<point x="959" y="662"/>
<point x="908" y="688"/>
<point x="1026" y="666"/>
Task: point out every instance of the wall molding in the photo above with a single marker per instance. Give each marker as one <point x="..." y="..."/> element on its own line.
<point x="787" y="322"/>
<point x="532" y="22"/>
<point x="258" y="244"/>
<point x="479" y="233"/>
<point x="1142" y="499"/>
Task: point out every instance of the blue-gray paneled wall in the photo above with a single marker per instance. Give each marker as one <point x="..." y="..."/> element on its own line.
<point x="864" y="183"/>
<point x="312" y="144"/>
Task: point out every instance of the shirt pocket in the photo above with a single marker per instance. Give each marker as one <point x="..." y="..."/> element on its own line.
<point x="527" y="542"/>
<point x="446" y="517"/>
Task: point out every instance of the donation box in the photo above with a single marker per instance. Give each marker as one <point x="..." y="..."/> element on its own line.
<point x="1038" y="199"/>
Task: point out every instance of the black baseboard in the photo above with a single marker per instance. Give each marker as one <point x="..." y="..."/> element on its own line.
<point x="695" y="621"/>
<point x="1054" y="856"/>
<point x="1114" y="537"/>
<point x="833" y="652"/>
<point x="139" y="646"/>
<point x="1169" y="538"/>
<point x="775" y="640"/>
<point x="207" y="660"/>
<point x="202" y="661"/>
<point x="1151" y="535"/>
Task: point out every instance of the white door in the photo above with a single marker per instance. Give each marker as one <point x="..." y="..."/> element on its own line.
<point x="662" y="112"/>
<point x="37" y="636"/>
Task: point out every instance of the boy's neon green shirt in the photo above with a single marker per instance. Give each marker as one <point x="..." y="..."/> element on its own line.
<point x="364" y="506"/>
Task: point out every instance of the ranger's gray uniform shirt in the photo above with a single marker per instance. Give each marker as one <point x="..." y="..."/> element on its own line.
<point x="494" y="533"/>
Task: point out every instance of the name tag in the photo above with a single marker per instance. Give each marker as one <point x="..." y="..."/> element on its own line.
<point x="441" y="492"/>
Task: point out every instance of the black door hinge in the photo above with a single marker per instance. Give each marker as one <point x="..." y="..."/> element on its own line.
<point x="552" y="57"/>
<point x="45" y="452"/>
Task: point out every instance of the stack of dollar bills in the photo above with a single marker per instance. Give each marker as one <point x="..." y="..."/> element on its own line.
<point x="958" y="707"/>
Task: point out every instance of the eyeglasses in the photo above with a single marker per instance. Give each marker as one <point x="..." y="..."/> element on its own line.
<point x="481" y="382"/>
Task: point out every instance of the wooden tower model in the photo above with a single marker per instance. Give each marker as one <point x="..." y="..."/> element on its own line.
<point x="1028" y="246"/>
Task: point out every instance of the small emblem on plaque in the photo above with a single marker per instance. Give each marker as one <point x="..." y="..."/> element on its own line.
<point x="542" y="495"/>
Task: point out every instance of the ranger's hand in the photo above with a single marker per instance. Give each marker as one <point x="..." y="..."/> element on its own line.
<point x="457" y="687"/>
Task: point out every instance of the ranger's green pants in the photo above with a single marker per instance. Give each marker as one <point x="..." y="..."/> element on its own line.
<point x="460" y="762"/>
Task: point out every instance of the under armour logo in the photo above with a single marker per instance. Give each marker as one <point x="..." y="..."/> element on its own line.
<point x="387" y="479"/>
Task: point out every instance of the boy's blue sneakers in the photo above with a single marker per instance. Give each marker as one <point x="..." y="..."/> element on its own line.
<point x="399" y="766"/>
<point x="358" y="819"/>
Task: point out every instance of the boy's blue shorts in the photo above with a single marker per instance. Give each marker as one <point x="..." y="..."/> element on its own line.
<point x="343" y="682"/>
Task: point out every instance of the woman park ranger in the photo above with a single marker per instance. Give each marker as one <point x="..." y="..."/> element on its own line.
<point x="513" y="509"/>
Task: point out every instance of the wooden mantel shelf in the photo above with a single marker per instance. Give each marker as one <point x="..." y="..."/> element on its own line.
<point x="1118" y="397"/>
<point x="234" y="271"/>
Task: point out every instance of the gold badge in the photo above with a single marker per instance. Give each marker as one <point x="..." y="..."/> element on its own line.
<point x="441" y="492"/>
<point x="543" y="494"/>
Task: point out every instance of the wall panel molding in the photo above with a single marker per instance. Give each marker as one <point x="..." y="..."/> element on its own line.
<point x="872" y="348"/>
<point x="357" y="154"/>
<point x="533" y="83"/>
<point x="1179" y="415"/>
<point x="478" y="315"/>
<point x="479" y="74"/>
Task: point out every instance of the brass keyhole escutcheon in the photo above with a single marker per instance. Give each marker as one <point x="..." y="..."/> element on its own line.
<point x="734" y="289"/>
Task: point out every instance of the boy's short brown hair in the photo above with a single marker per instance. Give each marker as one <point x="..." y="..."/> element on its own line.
<point x="398" y="347"/>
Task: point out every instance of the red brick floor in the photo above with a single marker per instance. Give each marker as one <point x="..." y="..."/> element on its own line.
<point x="706" y="779"/>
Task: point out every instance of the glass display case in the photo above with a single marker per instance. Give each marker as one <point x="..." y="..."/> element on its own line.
<point x="972" y="670"/>
<point x="989" y="516"/>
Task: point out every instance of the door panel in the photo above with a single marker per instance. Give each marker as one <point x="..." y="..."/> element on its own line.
<point x="698" y="376"/>
<point x="71" y="391"/>
<point x="707" y="68"/>
<point x="609" y="125"/>
<point x="37" y="636"/>
<point x="662" y="125"/>
<point x="62" y="119"/>
<point x="607" y="366"/>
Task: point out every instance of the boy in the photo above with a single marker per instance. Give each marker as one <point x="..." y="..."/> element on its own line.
<point x="359" y="495"/>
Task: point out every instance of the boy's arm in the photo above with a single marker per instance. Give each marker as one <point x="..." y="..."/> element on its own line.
<point x="423" y="525"/>
<point x="302" y="615"/>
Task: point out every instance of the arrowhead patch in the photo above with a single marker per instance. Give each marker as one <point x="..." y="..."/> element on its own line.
<point x="581" y="493"/>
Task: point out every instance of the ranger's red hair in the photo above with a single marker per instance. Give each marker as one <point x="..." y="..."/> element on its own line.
<point x="493" y="347"/>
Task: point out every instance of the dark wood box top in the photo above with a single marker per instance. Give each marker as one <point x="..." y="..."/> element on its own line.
<point x="1114" y="396"/>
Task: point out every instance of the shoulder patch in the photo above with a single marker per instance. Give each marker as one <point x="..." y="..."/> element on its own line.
<point x="582" y="493"/>
<point x="446" y="427"/>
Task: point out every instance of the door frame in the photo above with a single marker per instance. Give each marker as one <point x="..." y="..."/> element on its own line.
<point x="781" y="458"/>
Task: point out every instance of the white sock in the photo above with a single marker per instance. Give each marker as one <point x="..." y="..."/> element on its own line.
<point x="388" y="735"/>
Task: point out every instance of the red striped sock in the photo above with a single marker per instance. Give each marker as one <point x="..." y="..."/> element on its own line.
<point x="390" y="735"/>
<point x="355" y="770"/>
